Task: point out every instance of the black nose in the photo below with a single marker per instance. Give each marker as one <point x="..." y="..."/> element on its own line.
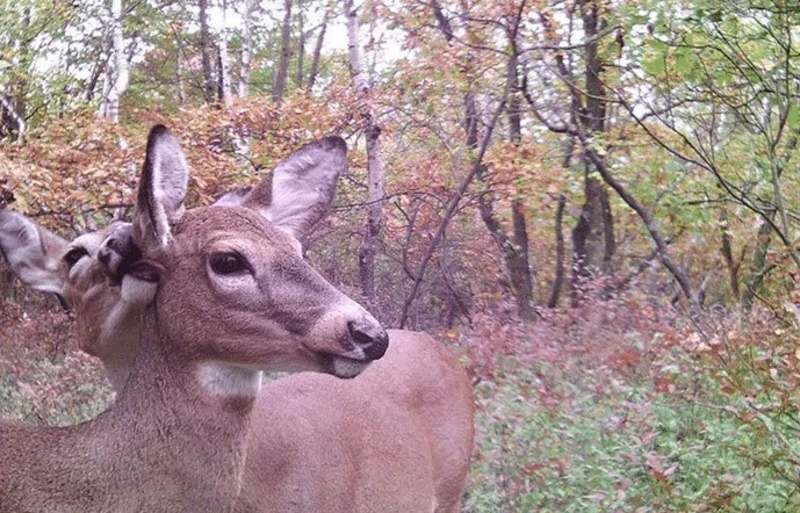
<point x="370" y="336"/>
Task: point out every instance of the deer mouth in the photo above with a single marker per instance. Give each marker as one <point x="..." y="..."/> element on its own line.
<point x="342" y="366"/>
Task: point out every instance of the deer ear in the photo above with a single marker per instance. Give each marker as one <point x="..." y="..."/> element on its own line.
<point x="299" y="192"/>
<point x="162" y="189"/>
<point x="33" y="253"/>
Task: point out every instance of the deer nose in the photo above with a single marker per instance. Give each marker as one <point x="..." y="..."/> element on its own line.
<point x="370" y="336"/>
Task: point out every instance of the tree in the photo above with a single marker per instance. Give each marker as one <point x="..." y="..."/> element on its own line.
<point x="282" y="73"/>
<point x="375" y="172"/>
<point x="733" y="115"/>
<point x="246" y="50"/>
<point x="513" y="246"/>
<point x="317" y="55"/>
<point x="224" y="66"/>
<point x="116" y="79"/>
<point x="206" y="43"/>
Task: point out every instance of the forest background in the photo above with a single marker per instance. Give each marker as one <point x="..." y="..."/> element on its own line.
<point x="593" y="202"/>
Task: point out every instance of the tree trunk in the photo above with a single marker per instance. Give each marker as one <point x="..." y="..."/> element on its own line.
<point x="375" y="173"/>
<point x="205" y="53"/>
<point x="247" y="42"/>
<point x="117" y="71"/>
<point x="518" y="262"/>
<point x="759" y="267"/>
<point x="301" y="46"/>
<point x="312" y="73"/>
<point x="12" y="124"/>
<point x="726" y="248"/>
<point x="279" y="84"/>
<point x="513" y="247"/>
<point x="452" y="205"/>
<point x="560" y="251"/>
<point x="15" y="112"/>
<point x="98" y="72"/>
<point x="224" y="68"/>
<point x="593" y="243"/>
<point x="582" y="126"/>
<point x="179" y="49"/>
<point x="592" y="238"/>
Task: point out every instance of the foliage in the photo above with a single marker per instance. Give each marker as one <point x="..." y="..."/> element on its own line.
<point x="645" y="413"/>
<point x="44" y="378"/>
<point x="732" y="114"/>
<point x="86" y="164"/>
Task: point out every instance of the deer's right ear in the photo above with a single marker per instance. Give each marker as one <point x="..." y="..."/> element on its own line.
<point x="162" y="189"/>
<point x="33" y="253"/>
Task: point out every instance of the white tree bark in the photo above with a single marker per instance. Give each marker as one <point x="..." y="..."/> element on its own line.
<point x="11" y="111"/>
<point x="224" y="60"/>
<point x="247" y="36"/>
<point x="117" y="77"/>
<point x="375" y="173"/>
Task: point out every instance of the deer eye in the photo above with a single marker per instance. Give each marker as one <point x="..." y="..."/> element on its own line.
<point x="75" y="254"/>
<point x="228" y="263"/>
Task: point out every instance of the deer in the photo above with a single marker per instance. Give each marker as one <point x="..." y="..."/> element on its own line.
<point x="230" y="296"/>
<point x="396" y="438"/>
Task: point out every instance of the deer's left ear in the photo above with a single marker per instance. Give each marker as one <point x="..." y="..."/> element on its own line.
<point x="300" y="190"/>
<point x="162" y="189"/>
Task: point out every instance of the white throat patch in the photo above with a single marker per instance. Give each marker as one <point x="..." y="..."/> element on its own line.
<point x="228" y="380"/>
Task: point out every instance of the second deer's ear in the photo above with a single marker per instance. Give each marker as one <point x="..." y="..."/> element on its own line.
<point x="162" y="189"/>
<point x="33" y="253"/>
<point x="301" y="188"/>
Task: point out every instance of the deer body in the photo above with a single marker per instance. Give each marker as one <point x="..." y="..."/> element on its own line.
<point x="403" y="448"/>
<point x="222" y="294"/>
<point x="396" y="438"/>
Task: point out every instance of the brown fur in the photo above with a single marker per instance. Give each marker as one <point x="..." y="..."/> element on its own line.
<point x="397" y="438"/>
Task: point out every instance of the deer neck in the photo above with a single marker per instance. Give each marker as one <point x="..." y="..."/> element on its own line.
<point x="196" y="434"/>
<point x="166" y="444"/>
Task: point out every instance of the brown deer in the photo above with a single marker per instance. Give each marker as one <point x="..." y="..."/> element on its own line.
<point x="232" y="296"/>
<point x="396" y="438"/>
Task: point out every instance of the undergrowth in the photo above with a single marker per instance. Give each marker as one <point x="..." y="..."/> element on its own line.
<point x="616" y="406"/>
<point x="44" y="378"/>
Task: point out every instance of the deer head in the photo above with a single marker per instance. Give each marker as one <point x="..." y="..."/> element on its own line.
<point x="88" y="271"/>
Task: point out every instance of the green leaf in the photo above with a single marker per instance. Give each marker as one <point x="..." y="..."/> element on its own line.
<point x="654" y="65"/>
<point x="793" y="115"/>
<point x="654" y="59"/>
<point x="683" y="63"/>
